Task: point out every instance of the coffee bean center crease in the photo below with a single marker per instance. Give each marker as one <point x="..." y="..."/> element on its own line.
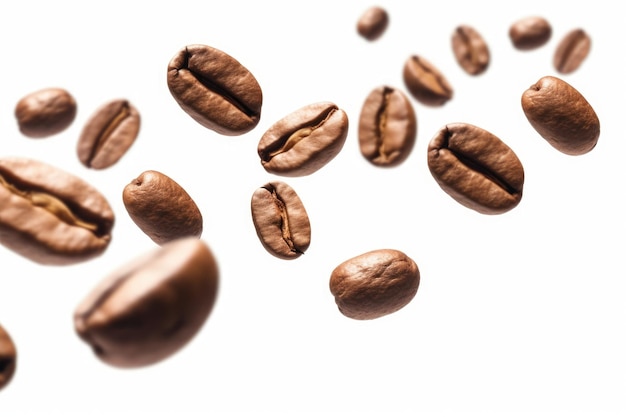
<point x="284" y="226"/>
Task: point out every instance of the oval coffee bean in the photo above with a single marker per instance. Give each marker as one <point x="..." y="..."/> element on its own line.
<point x="280" y="220"/>
<point x="561" y="115"/>
<point x="387" y="127"/>
<point x="530" y="32"/>
<point x="476" y="168"/>
<point x="161" y="208"/>
<point x="572" y="51"/>
<point x="45" y="112"/>
<point x="215" y="89"/>
<point x="374" y="284"/>
<point x="425" y="82"/>
<point x="8" y="358"/>
<point x="470" y="50"/>
<point x="373" y="23"/>
<point x="304" y="141"/>
<point x="51" y="216"/>
<point x="108" y="134"/>
<point x="151" y="307"/>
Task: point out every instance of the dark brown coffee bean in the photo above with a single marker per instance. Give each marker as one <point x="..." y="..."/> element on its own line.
<point x="373" y="23"/>
<point x="387" y="127"/>
<point x="51" y="216"/>
<point x="476" y="168"/>
<point x="45" y="112"/>
<point x="280" y="220"/>
<point x="8" y="358"/>
<point x="425" y="82"/>
<point x="161" y="208"/>
<point x="304" y="141"/>
<point x="374" y="284"/>
<point x="108" y="134"/>
<point x="561" y="115"/>
<point x="530" y="33"/>
<point x="215" y="89"/>
<point x="572" y="51"/>
<point x="151" y="307"/>
<point x="470" y="50"/>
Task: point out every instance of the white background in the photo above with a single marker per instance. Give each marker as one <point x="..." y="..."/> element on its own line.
<point x="521" y="314"/>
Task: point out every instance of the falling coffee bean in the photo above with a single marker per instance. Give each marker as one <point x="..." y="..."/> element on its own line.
<point x="470" y="50"/>
<point x="572" y="51"/>
<point x="530" y="33"/>
<point x="45" y="112"/>
<point x="425" y="82"/>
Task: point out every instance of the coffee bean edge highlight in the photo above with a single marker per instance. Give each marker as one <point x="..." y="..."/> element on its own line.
<point x="45" y="112"/>
<point x="8" y="358"/>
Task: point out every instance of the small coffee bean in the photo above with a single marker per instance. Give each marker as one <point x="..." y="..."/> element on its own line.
<point x="148" y="309"/>
<point x="476" y="168"/>
<point x="373" y="23"/>
<point x="161" y="208"/>
<point x="561" y="115"/>
<point x="215" y="89"/>
<point x="8" y="358"/>
<point x="45" y="112"/>
<point x="387" y="127"/>
<point x="304" y="141"/>
<point x="280" y="220"/>
<point x="108" y="134"/>
<point x="425" y="82"/>
<point x="572" y="51"/>
<point x="470" y="50"/>
<point x="530" y="33"/>
<point x="374" y="284"/>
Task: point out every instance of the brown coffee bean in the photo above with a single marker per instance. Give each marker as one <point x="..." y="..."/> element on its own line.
<point x="51" y="216"/>
<point x="470" y="50"/>
<point x="281" y="221"/>
<point x="148" y="309"/>
<point x="387" y="127"/>
<point x="374" y="284"/>
<point x="561" y="115"/>
<point x="476" y="168"/>
<point x="572" y="51"/>
<point x="108" y="134"/>
<point x="373" y="23"/>
<point x="304" y="141"/>
<point x="8" y="358"/>
<point x="215" y="89"/>
<point x="161" y="208"/>
<point x="425" y="82"/>
<point x="530" y="33"/>
<point x="45" y="112"/>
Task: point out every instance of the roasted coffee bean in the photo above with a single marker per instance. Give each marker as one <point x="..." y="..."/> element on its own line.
<point x="561" y="115"/>
<point x="161" y="207"/>
<point x="108" y="134"/>
<point x="280" y="220"/>
<point x="476" y="168"/>
<point x="425" y="82"/>
<point x="45" y="112"/>
<point x="8" y="358"/>
<point x="215" y="89"/>
<point x="572" y="51"/>
<point x="470" y="50"/>
<point x="151" y="307"/>
<point x="304" y="141"/>
<point x="387" y="127"/>
<point x="49" y="215"/>
<point x="373" y="23"/>
<point x="530" y="32"/>
<point x="374" y="284"/>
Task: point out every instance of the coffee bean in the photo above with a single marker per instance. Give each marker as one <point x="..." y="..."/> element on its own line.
<point x="572" y="51"/>
<point x="45" y="112"/>
<point x="470" y="50"/>
<point x="49" y="215"/>
<point x="561" y="115"/>
<point x="151" y="307"/>
<point x="215" y="89"/>
<point x="280" y="220"/>
<point x="374" y="284"/>
<point x="530" y="33"/>
<point x="304" y="141"/>
<point x="387" y="127"/>
<point x="108" y="134"/>
<point x="425" y="82"/>
<point x="373" y="23"/>
<point x="8" y="358"/>
<point x="161" y="208"/>
<point x="476" y="168"/>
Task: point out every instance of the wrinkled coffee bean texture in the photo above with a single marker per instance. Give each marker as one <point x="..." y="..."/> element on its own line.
<point x="425" y="82"/>
<point x="45" y="112"/>
<point x="530" y="33"/>
<point x="373" y="23"/>
<point x="572" y="51"/>
<point x="470" y="50"/>
<point x="8" y="358"/>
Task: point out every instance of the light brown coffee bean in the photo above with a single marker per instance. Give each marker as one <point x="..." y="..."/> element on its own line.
<point x="8" y="358"/>
<point x="425" y="82"/>
<point x="530" y="33"/>
<point x="161" y="208"/>
<point x="148" y="309"/>
<point x="387" y="127"/>
<point x="572" y="51"/>
<point x="476" y="168"/>
<point x="470" y="50"/>
<point x="51" y="216"/>
<point x="304" y="141"/>
<point x="215" y="89"/>
<point x="108" y="134"/>
<point x="374" y="284"/>
<point x="561" y="115"/>
<point x="373" y="23"/>
<point x="45" y="112"/>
